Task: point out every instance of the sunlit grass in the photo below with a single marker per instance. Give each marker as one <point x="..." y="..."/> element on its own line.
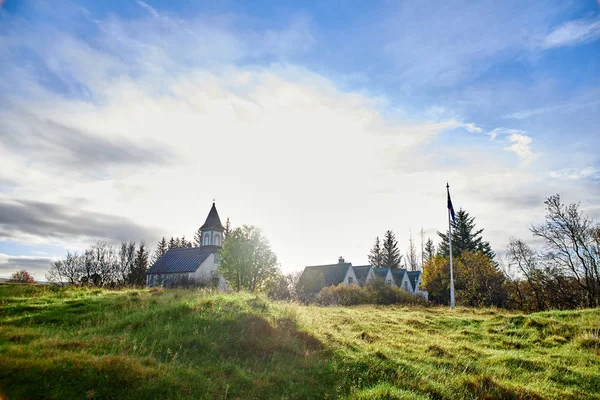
<point x="90" y="343"/>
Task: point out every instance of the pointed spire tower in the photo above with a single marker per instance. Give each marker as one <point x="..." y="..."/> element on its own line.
<point x="212" y="230"/>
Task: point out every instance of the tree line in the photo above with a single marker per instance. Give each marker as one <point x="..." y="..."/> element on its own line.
<point x="103" y="265"/>
<point x="563" y="274"/>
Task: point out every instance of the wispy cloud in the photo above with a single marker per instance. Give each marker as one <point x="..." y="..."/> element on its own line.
<point x="564" y="107"/>
<point x="522" y="147"/>
<point x="576" y="173"/>
<point x="572" y="33"/>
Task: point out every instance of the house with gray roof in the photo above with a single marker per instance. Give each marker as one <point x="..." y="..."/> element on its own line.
<point x="316" y="277"/>
<point x="193" y="263"/>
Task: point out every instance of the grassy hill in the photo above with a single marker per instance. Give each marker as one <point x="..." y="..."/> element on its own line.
<point x="91" y="343"/>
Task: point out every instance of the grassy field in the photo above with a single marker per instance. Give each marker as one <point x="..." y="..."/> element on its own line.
<point x="85" y="343"/>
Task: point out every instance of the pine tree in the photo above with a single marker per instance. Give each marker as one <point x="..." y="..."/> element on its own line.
<point x="140" y="266"/>
<point x="376" y="255"/>
<point x="184" y="243"/>
<point x="227" y="230"/>
<point x="172" y="243"/>
<point x="198" y="238"/>
<point x="161" y="248"/>
<point x="429" y="250"/>
<point x="465" y="237"/>
<point x="391" y="254"/>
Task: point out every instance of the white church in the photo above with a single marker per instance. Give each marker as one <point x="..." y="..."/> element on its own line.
<point x="193" y="264"/>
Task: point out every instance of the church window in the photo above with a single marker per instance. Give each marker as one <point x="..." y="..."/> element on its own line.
<point x="350" y="280"/>
<point x="217" y="240"/>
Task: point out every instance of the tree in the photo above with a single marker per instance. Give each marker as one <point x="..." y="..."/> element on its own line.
<point x="429" y="250"/>
<point x="391" y="255"/>
<point x="126" y="258"/>
<point x="411" y="255"/>
<point x="161" y="249"/>
<point x="227" y="230"/>
<point x="572" y="244"/>
<point x="465" y="237"/>
<point x="22" y="276"/>
<point x="477" y="280"/>
<point x="376" y="255"/>
<point x="198" y="238"/>
<point x="173" y="244"/>
<point x="246" y="260"/>
<point x="140" y="266"/>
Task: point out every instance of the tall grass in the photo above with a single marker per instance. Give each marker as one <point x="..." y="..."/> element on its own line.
<point x="85" y="343"/>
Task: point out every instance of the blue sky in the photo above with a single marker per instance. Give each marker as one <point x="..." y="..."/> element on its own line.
<point x="324" y="123"/>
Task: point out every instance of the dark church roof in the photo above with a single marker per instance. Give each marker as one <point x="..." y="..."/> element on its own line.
<point x="362" y="272"/>
<point x="213" y="221"/>
<point x="182" y="260"/>
<point x="316" y="277"/>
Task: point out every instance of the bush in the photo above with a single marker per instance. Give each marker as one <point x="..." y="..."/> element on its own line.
<point x="22" y="276"/>
<point x="375" y="293"/>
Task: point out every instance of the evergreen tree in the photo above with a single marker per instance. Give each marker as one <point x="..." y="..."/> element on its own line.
<point x="227" y="230"/>
<point x="376" y="255"/>
<point x="172" y="243"/>
<point x="184" y="243"/>
<point x="429" y="250"/>
<point x="137" y="276"/>
<point x="198" y="238"/>
<point x="391" y="254"/>
<point x="161" y="248"/>
<point x="465" y="237"/>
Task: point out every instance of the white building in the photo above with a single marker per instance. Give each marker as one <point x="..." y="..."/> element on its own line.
<point x="193" y="264"/>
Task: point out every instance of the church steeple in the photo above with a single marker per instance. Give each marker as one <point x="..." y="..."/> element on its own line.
<point x="212" y="230"/>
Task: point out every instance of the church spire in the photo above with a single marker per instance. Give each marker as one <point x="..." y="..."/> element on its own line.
<point x="212" y="230"/>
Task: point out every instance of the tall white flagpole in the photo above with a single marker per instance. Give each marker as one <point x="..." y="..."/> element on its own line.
<point x="450" y="246"/>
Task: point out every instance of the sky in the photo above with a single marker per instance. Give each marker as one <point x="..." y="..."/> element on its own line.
<point x="323" y="123"/>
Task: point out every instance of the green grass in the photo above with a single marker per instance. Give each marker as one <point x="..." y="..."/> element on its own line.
<point x="91" y="343"/>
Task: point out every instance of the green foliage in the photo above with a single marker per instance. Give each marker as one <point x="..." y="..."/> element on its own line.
<point x="246" y="260"/>
<point x="477" y="280"/>
<point x="376" y="254"/>
<point x="73" y="342"/>
<point x="376" y="292"/>
<point x="390" y="254"/>
<point x="465" y="237"/>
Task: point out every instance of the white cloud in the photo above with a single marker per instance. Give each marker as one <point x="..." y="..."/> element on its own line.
<point x="321" y="170"/>
<point x="522" y="147"/>
<point x="576" y="173"/>
<point x="572" y="33"/>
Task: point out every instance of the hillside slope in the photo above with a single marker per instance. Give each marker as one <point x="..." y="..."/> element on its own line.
<point x="91" y="343"/>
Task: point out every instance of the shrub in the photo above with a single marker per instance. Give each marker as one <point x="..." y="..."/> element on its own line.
<point x="374" y="293"/>
<point x="22" y="276"/>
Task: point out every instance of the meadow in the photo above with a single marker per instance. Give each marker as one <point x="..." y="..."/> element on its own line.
<point x="66" y="343"/>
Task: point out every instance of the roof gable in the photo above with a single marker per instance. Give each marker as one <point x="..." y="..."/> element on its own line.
<point x="413" y="277"/>
<point x="182" y="260"/>
<point x="398" y="275"/>
<point x="316" y="277"/>
<point x="362" y="272"/>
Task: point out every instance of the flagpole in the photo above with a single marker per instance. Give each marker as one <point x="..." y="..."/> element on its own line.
<point x="450" y="246"/>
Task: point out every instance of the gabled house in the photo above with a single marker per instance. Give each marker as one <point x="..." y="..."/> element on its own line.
<point x="385" y="274"/>
<point x="316" y="277"/>
<point x="194" y="264"/>
<point x="401" y="280"/>
<point x="415" y="278"/>
<point x="364" y="274"/>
